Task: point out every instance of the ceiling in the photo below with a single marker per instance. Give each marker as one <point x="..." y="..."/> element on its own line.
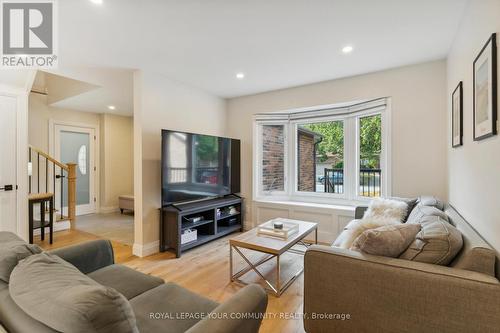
<point x="88" y="89"/>
<point x="112" y="86"/>
<point x="276" y="43"/>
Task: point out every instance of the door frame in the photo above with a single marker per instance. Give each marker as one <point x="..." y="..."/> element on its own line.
<point x="15" y="100"/>
<point x="55" y="125"/>
<point x="21" y="95"/>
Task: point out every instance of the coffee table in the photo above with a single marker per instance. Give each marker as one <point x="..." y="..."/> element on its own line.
<point x="272" y="246"/>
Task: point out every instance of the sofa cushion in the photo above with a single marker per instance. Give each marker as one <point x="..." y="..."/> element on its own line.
<point x="162" y="307"/>
<point x="125" y="280"/>
<point x="431" y="202"/>
<point x="420" y="211"/>
<point x="438" y="242"/>
<point x="57" y="294"/>
<point x="6" y="236"/>
<point x="387" y="241"/>
<point x="14" y="319"/>
<point x="11" y="252"/>
<point x="356" y="227"/>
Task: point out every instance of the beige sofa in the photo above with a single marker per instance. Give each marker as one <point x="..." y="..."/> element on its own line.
<point x="347" y="291"/>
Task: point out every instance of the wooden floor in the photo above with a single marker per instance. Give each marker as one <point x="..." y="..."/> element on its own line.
<point x="205" y="270"/>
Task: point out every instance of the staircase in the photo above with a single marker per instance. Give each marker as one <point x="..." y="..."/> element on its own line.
<point x="47" y="176"/>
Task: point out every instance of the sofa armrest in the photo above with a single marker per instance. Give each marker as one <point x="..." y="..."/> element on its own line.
<point x="242" y="313"/>
<point x="394" y="295"/>
<point x="89" y="256"/>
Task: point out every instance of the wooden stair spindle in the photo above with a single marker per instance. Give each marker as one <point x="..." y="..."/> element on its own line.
<point x="72" y="193"/>
<point x="68" y="171"/>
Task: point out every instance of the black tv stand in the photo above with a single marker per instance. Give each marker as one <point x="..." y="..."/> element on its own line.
<point x="174" y="220"/>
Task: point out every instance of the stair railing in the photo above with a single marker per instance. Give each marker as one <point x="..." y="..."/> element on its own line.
<point x="43" y="172"/>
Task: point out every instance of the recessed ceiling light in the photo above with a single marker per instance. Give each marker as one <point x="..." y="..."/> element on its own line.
<point x="99" y="2"/>
<point x="240" y="76"/>
<point x="111" y="107"/>
<point x="347" y="49"/>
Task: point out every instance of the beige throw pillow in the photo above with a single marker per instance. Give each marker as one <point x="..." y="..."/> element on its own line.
<point x="387" y="241"/>
<point x="356" y="227"/>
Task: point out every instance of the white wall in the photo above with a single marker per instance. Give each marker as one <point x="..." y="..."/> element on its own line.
<point x="115" y="146"/>
<point x="474" y="173"/>
<point x="117" y="172"/>
<point x="419" y="125"/>
<point x="40" y="114"/>
<point x="161" y="103"/>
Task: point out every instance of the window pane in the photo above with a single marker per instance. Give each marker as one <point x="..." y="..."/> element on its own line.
<point x="273" y="158"/>
<point x="320" y="162"/>
<point x="370" y="146"/>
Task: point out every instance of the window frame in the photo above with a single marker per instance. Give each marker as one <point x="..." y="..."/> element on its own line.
<point x="350" y="115"/>
<point x="258" y="154"/>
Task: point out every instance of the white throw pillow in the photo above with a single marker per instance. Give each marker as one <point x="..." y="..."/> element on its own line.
<point x="356" y="227"/>
<point x="387" y="209"/>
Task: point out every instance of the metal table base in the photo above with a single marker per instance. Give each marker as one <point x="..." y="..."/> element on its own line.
<point x="280" y="286"/>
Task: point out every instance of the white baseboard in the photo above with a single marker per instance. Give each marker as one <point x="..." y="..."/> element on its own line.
<point x="58" y="226"/>
<point x="144" y="250"/>
<point x="109" y="210"/>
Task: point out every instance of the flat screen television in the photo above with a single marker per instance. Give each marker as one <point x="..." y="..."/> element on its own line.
<point x="197" y="166"/>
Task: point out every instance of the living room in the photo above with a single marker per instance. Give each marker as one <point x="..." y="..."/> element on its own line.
<point x="315" y="166"/>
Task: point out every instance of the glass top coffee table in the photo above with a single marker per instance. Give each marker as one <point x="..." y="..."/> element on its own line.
<point x="274" y="247"/>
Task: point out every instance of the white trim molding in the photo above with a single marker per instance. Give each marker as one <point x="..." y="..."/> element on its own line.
<point x="94" y="130"/>
<point x="350" y="114"/>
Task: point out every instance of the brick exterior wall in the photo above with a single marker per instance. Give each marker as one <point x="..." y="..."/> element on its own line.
<point x="273" y="165"/>
<point x="306" y="164"/>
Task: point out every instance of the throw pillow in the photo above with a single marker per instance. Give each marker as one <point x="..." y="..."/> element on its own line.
<point x="387" y="209"/>
<point x="431" y="202"/>
<point x="11" y="252"/>
<point x="57" y="294"/>
<point x="438" y="242"/>
<point x="356" y="227"/>
<point x="387" y="241"/>
<point x="420" y="212"/>
<point x="411" y="204"/>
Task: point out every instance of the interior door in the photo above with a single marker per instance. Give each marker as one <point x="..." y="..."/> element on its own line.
<point x="8" y="165"/>
<point x="77" y="145"/>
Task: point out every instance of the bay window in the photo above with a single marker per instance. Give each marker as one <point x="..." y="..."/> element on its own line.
<point x="329" y="154"/>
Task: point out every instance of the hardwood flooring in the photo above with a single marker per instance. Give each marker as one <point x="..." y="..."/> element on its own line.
<point x="114" y="226"/>
<point x="205" y="270"/>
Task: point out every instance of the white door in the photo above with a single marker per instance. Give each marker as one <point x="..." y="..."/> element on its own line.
<point x="77" y="145"/>
<point x="8" y="165"/>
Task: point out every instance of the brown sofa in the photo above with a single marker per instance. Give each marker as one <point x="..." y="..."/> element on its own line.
<point x="347" y="291"/>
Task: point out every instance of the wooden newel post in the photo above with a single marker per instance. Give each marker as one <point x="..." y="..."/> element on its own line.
<point x="72" y="193"/>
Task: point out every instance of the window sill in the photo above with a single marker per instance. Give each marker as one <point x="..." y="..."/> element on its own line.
<point x="347" y="207"/>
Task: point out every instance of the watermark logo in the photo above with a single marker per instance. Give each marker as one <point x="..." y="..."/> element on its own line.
<point x="28" y="34"/>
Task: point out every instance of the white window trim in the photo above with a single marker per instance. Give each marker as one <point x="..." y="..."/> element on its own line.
<point x="350" y="115"/>
<point x="257" y="171"/>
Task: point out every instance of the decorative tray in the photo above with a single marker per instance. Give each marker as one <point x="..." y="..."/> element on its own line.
<point x="267" y="229"/>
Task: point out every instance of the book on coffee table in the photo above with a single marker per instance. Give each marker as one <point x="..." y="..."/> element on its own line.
<point x="268" y="229"/>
